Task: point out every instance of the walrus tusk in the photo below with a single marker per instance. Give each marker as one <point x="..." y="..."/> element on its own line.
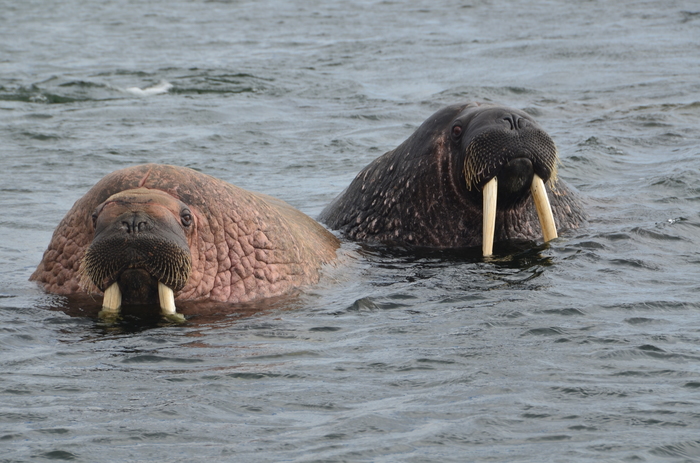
<point x="111" y="302"/>
<point x="490" y="193"/>
<point x="166" y="296"/>
<point x="544" y="210"/>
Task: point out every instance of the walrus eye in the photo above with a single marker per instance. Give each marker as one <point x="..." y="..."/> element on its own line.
<point x="456" y="131"/>
<point x="186" y="218"/>
<point x="94" y="219"/>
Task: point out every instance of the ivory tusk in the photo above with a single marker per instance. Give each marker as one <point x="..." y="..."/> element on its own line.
<point x="111" y="302"/>
<point x="113" y="298"/>
<point x="166" y="296"/>
<point x="490" y="193"/>
<point x="544" y="210"/>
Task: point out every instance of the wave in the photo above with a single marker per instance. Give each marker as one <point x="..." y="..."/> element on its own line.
<point x="161" y="87"/>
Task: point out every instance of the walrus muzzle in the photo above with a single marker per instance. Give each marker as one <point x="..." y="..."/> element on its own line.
<point x="138" y="259"/>
<point x="520" y="158"/>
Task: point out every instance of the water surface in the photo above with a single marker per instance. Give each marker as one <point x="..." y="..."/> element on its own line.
<point x="586" y="349"/>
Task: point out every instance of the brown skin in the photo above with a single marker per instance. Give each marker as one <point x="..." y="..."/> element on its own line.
<point x="242" y="245"/>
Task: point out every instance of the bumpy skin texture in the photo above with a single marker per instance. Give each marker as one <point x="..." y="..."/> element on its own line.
<point x="418" y="195"/>
<point x="244" y="245"/>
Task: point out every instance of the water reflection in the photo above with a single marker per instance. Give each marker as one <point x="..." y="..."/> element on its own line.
<point x="514" y="263"/>
<point x="137" y="318"/>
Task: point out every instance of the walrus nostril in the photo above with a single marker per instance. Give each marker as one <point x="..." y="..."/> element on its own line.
<point x="510" y="121"/>
<point x="516" y="122"/>
<point x="136" y="224"/>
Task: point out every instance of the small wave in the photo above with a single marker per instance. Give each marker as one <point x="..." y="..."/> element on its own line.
<point x="687" y="450"/>
<point x="35" y="95"/>
<point x="161" y="87"/>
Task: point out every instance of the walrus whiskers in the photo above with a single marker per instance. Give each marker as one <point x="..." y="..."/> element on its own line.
<point x="544" y="210"/>
<point x="490" y="193"/>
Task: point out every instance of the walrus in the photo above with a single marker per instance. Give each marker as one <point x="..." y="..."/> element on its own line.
<point x="157" y="233"/>
<point x="470" y="174"/>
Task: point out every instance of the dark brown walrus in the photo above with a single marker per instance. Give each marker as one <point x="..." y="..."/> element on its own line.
<point x="466" y="176"/>
<point x="157" y="233"/>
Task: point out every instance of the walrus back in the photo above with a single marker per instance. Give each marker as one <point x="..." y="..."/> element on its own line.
<point x="397" y="198"/>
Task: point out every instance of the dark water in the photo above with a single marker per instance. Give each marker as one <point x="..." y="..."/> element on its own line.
<point x="584" y="350"/>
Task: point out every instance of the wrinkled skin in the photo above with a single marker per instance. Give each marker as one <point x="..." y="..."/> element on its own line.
<point x="240" y="245"/>
<point x="427" y="191"/>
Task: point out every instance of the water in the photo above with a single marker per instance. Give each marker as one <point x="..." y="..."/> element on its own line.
<point x="584" y="350"/>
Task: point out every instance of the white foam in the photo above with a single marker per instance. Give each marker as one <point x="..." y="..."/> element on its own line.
<point x="161" y="87"/>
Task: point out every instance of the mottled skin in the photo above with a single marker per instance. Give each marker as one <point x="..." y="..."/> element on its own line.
<point x="419" y="195"/>
<point x="243" y="245"/>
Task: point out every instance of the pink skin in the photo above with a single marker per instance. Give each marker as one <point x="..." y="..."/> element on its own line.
<point x="243" y="245"/>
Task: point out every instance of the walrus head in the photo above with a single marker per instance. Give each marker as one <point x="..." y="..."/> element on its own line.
<point x="140" y="251"/>
<point x="506" y="155"/>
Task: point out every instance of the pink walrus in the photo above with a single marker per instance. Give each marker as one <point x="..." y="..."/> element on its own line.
<point x="162" y="233"/>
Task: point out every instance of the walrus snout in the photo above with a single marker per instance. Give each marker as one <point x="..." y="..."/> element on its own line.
<point x="135" y="240"/>
<point x="490" y="151"/>
<point x="136" y="264"/>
